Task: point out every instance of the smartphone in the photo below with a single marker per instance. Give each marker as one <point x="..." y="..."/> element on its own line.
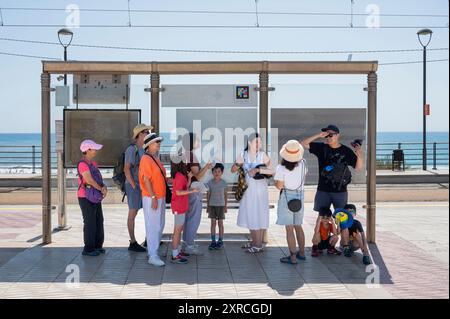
<point x="357" y="142"/>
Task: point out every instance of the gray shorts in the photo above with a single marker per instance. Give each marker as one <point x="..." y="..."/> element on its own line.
<point x="217" y="212"/>
<point x="134" y="197"/>
<point x="179" y="219"/>
<point x="325" y="199"/>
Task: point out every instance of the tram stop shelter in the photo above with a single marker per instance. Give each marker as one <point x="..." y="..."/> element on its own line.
<point x="262" y="68"/>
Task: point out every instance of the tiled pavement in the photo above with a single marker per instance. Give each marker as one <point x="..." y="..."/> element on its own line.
<point x="411" y="253"/>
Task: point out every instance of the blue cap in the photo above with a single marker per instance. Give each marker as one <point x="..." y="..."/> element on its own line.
<point x="344" y="218"/>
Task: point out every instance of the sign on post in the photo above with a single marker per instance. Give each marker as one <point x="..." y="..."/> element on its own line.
<point x="59" y="130"/>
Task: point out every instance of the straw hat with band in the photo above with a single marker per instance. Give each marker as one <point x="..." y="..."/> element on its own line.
<point x="292" y="151"/>
<point x="139" y="128"/>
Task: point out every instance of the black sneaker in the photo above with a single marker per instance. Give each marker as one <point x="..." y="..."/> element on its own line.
<point x="91" y="253"/>
<point x="101" y="250"/>
<point x="347" y="251"/>
<point x="366" y="260"/>
<point x="136" y="247"/>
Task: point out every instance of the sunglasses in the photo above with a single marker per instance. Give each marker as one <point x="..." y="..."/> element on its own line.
<point x="145" y="132"/>
<point x="330" y="135"/>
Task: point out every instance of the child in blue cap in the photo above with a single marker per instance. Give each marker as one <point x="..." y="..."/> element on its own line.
<point x="352" y="232"/>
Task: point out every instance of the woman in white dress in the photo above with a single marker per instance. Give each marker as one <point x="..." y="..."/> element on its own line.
<point x="254" y="206"/>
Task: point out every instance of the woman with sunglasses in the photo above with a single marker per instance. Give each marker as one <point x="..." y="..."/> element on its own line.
<point x="153" y="181"/>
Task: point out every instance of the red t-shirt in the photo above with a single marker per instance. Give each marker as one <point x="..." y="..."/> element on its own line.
<point x="180" y="204"/>
<point x="83" y="167"/>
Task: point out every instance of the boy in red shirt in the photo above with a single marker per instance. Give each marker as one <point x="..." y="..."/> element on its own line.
<point x="180" y="205"/>
<point x="325" y="234"/>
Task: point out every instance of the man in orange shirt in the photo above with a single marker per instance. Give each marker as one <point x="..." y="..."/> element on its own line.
<point x="152" y="179"/>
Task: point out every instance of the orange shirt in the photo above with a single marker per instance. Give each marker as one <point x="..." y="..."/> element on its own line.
<point x="325" y="232"/>
<point x="150" y="169"/>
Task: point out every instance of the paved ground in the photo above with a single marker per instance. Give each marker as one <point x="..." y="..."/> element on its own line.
<point x="412" y="255"/>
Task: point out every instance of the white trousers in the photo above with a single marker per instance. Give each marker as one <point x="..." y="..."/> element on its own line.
<point x="154" y="224"/>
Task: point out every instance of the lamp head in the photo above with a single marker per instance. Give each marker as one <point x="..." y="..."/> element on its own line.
<point x="422" y="35"/>
<point x="65" y="37"/>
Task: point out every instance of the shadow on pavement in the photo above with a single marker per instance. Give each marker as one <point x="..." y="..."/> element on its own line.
<point x="232" y="266"/>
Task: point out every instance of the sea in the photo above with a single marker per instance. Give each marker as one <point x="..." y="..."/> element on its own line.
<point x="16" y="149"/>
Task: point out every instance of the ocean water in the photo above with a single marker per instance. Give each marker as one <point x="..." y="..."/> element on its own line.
<point x="21" y="161"/>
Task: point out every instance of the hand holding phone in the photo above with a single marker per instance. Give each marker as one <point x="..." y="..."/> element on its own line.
<point x="357" y="142"/>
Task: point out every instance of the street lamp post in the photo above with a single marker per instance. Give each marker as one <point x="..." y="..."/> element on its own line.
<point x="65" y="37"/>
<point x="424" y="37"/>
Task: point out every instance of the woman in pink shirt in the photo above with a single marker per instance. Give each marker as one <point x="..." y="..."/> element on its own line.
<point x="181" y="180"/>
<point x="91" y="191"/>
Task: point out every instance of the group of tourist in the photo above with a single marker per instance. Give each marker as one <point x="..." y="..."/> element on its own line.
<point x="147" y="186"/>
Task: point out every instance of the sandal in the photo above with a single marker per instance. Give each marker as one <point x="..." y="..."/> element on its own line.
<point x="247" y="245"/>
<point x="288" y="260"/>
<point x="254" y="250"/>
<point x="300" y="257"/>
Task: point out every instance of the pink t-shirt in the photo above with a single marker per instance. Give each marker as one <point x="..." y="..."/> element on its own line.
<point x="83" y="167"/>
<point x="180" y="204"/>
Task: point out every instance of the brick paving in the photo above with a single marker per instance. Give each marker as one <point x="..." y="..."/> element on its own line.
<point x="410" y="252"/>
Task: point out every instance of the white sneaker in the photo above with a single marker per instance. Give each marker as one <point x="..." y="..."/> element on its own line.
<point x="156" y="261"/>
<point x="193" y="250"/>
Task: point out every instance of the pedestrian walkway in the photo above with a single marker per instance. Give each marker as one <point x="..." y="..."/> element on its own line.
<point x="411" y="254"/>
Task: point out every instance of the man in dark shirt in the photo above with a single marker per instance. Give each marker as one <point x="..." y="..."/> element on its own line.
<point x="334" y="159"/>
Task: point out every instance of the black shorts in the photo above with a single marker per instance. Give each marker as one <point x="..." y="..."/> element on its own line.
<point x="355" y="228"/>
<point x="324" y="244"/>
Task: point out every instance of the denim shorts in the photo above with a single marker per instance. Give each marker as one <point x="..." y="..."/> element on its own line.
<point x="285" y="216"/>
<point x="134" y="197"/>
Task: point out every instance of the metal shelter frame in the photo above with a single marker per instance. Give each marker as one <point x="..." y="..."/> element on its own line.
<point x="263" y="68"/>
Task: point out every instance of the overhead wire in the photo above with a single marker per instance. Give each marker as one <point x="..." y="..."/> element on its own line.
<point x="221" y="51"/>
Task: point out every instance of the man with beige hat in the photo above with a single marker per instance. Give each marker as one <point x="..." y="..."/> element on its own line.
<point x="133" y="155"/>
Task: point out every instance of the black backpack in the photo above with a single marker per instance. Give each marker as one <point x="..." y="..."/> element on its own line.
<point x="337" y="175"/>
<point x="119" y="177"/>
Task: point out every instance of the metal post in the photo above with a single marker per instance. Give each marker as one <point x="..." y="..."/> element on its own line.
<point x="65" y="60"/>
<point x="424" y="152"/>
<point x="33" y="149"/>
<point x="62" y="217"/>
<point x="154" y="98"/>
<point x="264" y="105"/>
<point x="46" y="159"/>
<point x="434" y="156"/>
<point x="264" y="115"/>
<point x="371" y="157"/>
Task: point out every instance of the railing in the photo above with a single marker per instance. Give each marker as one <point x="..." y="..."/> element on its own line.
<point x="28" y="159"/>
<point x="23" y="158"/>
<point x="437" y="154"/>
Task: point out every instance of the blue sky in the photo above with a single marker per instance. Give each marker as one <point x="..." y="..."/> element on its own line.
<point x="400" y="86"/>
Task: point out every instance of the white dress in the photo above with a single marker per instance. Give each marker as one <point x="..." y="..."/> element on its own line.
<point x="254" y="206"/>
